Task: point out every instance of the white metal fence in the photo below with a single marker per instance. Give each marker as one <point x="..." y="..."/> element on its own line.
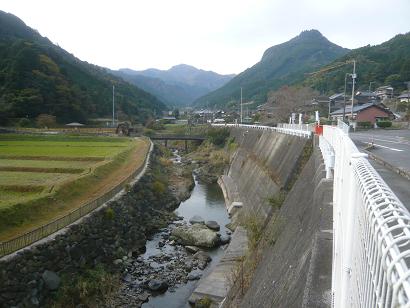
<point x="371" y="227"/>
<point x="371" y="232"/>
<point x="306" y="133"/>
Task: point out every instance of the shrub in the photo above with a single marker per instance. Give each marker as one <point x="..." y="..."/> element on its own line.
<point x="384" y="124"/>
<point x="24" y="122"/>
<point x="109" y="213"/>
<point x="277" y="200"/>
<point x="158" y="187"/>
<point x="365" y="124"/>
<point x="46" y="120"/>
<point x="218" y="136"/>
<point x="204" y="302"/>
<point x="86" y="288"/>
<point x="148" y="132"/>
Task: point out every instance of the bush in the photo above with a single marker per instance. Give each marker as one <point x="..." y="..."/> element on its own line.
<point x="109" y="213"/>
<point x="158" y="187"/>
<point x="364" y="124"/>
<point x="24" y="122"/>
<point x="384" y="124"/>
<point x="86" y="288"/>
<point x="218" y="136"/>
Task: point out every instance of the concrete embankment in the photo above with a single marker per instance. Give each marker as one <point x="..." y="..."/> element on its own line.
<point x="294" y="269"/>
<point x="292" y="262"/>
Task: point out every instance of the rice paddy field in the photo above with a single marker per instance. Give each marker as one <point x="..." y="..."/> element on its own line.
<point x="44" y="177"/>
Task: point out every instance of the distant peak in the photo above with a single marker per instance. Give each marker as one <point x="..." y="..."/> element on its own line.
<point x="312" y="32"/>
<point x="183" y="67"/>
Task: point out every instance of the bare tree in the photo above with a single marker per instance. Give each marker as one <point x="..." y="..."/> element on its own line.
<point x="290" y="99"/>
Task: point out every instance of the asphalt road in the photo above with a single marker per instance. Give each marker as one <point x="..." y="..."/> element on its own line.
<point x="393" y="146"/>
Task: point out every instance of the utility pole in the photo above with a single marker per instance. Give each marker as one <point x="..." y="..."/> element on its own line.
<point x="370" y="85"/>
<point x="353" y="82"/>
<point x="344" y="98"/>
<point x="241" y="105"/>
<point x="113" y="108"/>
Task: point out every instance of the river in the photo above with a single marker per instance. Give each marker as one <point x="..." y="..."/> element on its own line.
<point x="208" y="202"/>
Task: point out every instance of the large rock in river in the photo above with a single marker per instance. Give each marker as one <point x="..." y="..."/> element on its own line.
<point x="197" y="235"/>
<point x="196" y="220"/>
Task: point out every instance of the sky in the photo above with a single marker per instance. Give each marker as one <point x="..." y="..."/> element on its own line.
<point x="225" y="36"/>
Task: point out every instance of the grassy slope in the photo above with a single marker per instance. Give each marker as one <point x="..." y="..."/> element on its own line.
<point x="71" y="194"/>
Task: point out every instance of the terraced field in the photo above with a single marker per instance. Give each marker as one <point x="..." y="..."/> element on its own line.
<point x="44" y="177"/>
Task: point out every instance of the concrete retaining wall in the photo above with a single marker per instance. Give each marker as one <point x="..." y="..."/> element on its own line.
<point x="294" y="269"/>
<point x="295" y="253"/>
<point x="263" y="164"/>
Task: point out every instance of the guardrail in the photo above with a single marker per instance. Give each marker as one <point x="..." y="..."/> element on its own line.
<point x="371" y="232"/>
<point x="289" y="131"/>
<point x="37" y="234"/>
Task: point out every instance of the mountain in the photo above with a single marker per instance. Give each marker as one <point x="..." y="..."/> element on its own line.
<point x="178" y="86"/>
<point x="38" y="77"/>
<point x="384" y="64"/>
<point x="281" y="64"/>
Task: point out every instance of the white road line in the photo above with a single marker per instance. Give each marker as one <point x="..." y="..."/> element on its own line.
<point x="393" y="149"/>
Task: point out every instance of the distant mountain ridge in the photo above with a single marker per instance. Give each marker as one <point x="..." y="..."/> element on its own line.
<point x="178" y="86"/>
<point x="38" y="77"/>
<point x="280" y="64"/>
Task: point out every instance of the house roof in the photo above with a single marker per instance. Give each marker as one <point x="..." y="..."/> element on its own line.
<point x="74" y="124"/>
<point x="365" y="93"/>
<point x="336" y="95"/>
<point x="358" y="108"/>
<point x="405" y="95"/>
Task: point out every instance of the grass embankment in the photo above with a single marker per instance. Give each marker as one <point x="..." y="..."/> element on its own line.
<point x="44" y="177"/>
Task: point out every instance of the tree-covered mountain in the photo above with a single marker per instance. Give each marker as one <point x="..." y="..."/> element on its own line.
<point x="282" y="64"/>
<point x="384" y="64"/>
<point x="178" y="86"/>
<point x="38" y="77"/>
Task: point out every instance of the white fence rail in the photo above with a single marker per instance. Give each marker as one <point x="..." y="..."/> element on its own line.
<point x="305" y="127"/>
<point x="289" y="131"/>
<point x="371" y="227"/>
<point x="371" y="232"/>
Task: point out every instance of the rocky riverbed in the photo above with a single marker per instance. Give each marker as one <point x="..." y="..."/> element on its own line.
<point x="166" y="265"/>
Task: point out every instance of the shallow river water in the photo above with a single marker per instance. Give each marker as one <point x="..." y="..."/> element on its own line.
<point x="208" y="202"/>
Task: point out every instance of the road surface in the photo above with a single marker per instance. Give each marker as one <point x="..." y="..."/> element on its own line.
<point x="392" y="146"/>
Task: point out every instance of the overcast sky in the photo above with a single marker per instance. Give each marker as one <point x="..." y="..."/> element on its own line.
<point x="226" y="36"/>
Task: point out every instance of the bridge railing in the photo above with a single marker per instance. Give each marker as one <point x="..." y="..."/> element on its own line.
<point x="371" y="232"/>
<point x="289" y="131"/>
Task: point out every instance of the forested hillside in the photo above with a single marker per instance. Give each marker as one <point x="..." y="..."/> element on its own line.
<point x="384" y="64"/>
<point x="280" y="65"/>
<point x="37" y="77"/>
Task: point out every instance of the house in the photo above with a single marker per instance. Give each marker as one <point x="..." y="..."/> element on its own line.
<point x="337" y="100"/>
<point x="384" y="92"/>
<point x="364" y="97"/>
<point x="404" y="97"/>
<point x="168" y="119"/>
<point x="369" y="112"/>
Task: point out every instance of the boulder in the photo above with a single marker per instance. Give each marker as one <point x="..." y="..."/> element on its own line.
<point x="197" y="235"/>
<point x="213" y="225"/>
<point x="194" y="275"/>
<point x="192" y="249"/>
<point x="196" y="220"/>
<point x="51" y="280"/>
<point x="157" y="285"/>
<point x="225" y="239"/>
